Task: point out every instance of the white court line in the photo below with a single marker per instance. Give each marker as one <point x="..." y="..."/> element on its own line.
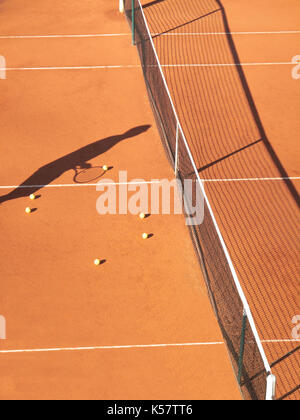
<point x="8" y="187"/>
<point x="284" y="63"/>
<point x="229" y="33"/>
<point x="134" y="66"/>
<point x="135" y="346"/>
<point x="61" y="36"/>
<point x="281" y="341"/>
<point x="153" y="34"/>
<point x="251" y="179"/>
<point x="130" y="66"/>
<point x="137" y="66"/>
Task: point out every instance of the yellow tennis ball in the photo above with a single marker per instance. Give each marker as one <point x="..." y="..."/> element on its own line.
<point x="142" y="215"/>
<point x="28" y="210"/>
<point x="105" y="168"/>
<point x="32" y="196"/>
<point x="145" y="235"/>
<point x="97" y="261"/>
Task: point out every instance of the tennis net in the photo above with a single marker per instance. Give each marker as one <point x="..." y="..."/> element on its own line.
<point x="249" y="362"/>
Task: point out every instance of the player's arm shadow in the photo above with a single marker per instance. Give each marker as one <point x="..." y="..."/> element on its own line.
<point x="79" y="158"/>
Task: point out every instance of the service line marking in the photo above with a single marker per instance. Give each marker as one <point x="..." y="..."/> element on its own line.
<point x="229" y="33"/>
<point x="153" y="34"/>
<point x="130" y="66"/>
<point x="284" y="63"/>
<point x="134" y="346"/>
<point x="292" y="178"/>
<point x="135" y="66"/>
<point x="7" y="187"/>
<point x="61" y="36"/>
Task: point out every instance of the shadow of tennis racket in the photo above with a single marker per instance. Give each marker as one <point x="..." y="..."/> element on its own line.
<point x="89" y="174"/>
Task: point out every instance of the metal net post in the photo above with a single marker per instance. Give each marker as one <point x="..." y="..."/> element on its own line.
<point x="242" y="348"/>
<point x="133" y="21"/>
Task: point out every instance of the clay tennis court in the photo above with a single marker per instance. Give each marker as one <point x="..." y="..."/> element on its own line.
<point x="141" y="325"/>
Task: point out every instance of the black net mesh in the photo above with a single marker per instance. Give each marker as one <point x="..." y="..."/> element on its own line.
<point x="218" y="275"/>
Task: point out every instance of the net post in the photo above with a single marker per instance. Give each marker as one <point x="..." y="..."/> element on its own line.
<point x="176" y="148"/>
<point x="242" y="347"/>
<point x="133" y="21"/>
<point x="271" y="387"/>
<point x="121" y="6"/>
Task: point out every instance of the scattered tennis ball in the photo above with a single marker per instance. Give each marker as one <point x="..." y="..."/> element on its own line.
<point x="32" y="196"/>
<point x="97" y="261"/>
<point x="28" y="210"/>
<point x="142" y="215"/>
<point x="105" y="168"/>
<point x="145" y="236"/>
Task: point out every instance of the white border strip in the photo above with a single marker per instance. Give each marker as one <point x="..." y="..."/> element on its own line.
<point x="136" y="346"/>
<point x="281" y="341"/>
<point x="8" y="187"/>
<point x="153" y="34"/>
<point x="130" y="66"/>
<point x="284" y="63"/>
<point x="251" y="179"/>
<point x="60" y="36"/>
<point x="228" y="33"/>
<point x="135" y="66"/>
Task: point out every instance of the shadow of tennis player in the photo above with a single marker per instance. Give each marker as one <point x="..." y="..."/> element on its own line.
<point x="48" y="173"/>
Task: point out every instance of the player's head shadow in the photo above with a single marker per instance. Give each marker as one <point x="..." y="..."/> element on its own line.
<point x="79" y="158"/>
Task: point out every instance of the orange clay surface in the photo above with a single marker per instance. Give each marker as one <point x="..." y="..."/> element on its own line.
<point x="242" y="122"/>
<point x="52" y="295"/>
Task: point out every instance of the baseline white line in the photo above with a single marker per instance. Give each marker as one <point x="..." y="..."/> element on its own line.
<point x="130" y="66"/>
<point x="229" y="64"/>
<point x="135" y="66"/>
<point x="60" y="36"/>
<point x="228" y="33"/>
<point x="8" y="187"/>
<point x="280" y="341"/>
<point x="137" y="346"/>
<point x="153" y="34"/>
<point x="134" y="346"/>
<point x="251" y="179"/>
